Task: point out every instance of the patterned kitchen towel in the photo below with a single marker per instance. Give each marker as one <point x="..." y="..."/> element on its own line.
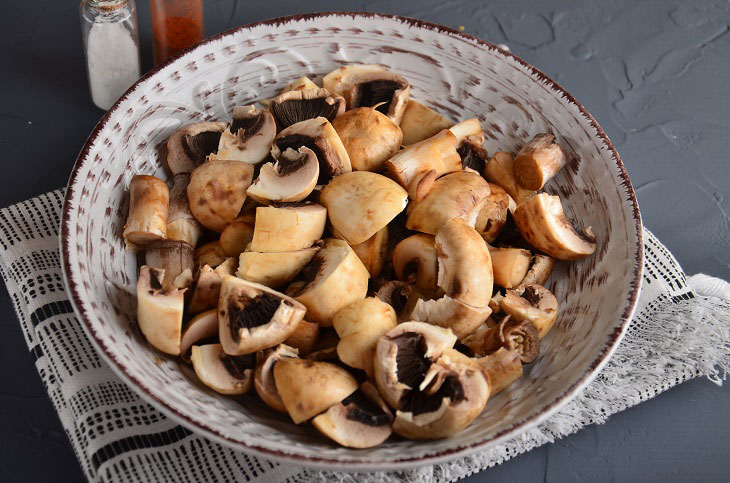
<point x="680" y="330"/>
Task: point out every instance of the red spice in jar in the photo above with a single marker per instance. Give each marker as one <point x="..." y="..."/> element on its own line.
<point x="176" y="25"/>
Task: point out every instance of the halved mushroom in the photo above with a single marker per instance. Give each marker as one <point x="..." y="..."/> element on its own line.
<point x="296" y="106"/>
<point x="453" y="393"/>
<point x="361" y="203"/>
<point x="533" y="303"/>
<point x="190" y="145"/>
<point x="274" y="270"/>
<point x="403" y="356"/>
<point x="203" y="327"/>
<point x="361" y="420"/>
<point x="365" y="85"/>
<point x="211" y="254"/>
<point x="252" y="317"/>
<point x="359" y="326"/>
<point x="149" y="200"/>
<point x="369" y="137"/>
<point x="292" y="177"/>
<point x="288" y="227"/>
<point x="181" y="224"/>
<point x="217" y="191"/>
<point x="493" y="215"/>
<point x="221" y="372"/>
<point x="208" y="285"/>
<point x="175" y="258"/>
<point x="540" y="270"/>
<point x="500" y="171"/>
<point x="318" y="135"/>
<point x="446" y="312"/>
<point x="501" y="368"/>
<point x="538" y="161"/>
<point x="249" y="137"/>
<point x="236" y="236"/>
<point x="510" y="334"/>
<point x="373" y="251"/>
<point x="304" y="338"/>
<point x="159" y="313"/>
<point x="510" y="265"/>
<point x="543" y="224"/>
<point x="415" y="259"/>
<point x="420" y="122"/>
<point x="300" y="84"/>
<point x="308" y="388"/>
<point x="264" y="382"/>
<point x="334" y="279"/>
<point x="455" y="195"/>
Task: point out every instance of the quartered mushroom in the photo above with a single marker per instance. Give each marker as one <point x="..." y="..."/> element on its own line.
<point x="533" y="303"/>
<point x="510" y="265"/>
<point x="149" y="200"/>
<point x="287" y="227"/>
<point x="159" y="313"/>
<point x="181" y="224"/>
<point x="415" y="260"/>
<point x="543" y="224"/>
<point x="175" y="258"/>
<point x="538" y="161"/>
<point x="360" y="203"/>
<point x="520" y="337"/>
<point x="190" y="145"/>
<point x="263" y="380"/>
<point x="201" y="328"/>
<point x="540" y="270"/>
<point x="501" y="368"/>
<point x="253" y="317"/>
<point x="369" y="137"/>
<point x="366" y="85"/>
<point x="299" y="105"/>
<point x="274" y="270"/>
<point x="493" y="215"/>
<point x="318" y="135"/>
<point x="373" y="252"/>
<point x="290" y="178"/>
<point x="500" y="170"/>
<point x="208" y="285"/>
<point x="334" y="279"/>
<point x="361" y="420"/>
<point x="217" y="190"/>
<point x="421" y="122"/>
<point x="308" y="388"/>
<point x="236" y="236"/>
<point x="221" y="372"/>
<point x="304" y="338"/>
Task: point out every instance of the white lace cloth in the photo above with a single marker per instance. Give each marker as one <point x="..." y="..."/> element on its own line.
<point x="680" y="331"/>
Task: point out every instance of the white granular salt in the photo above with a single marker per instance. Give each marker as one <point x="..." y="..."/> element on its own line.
<point x="113" y="60"/>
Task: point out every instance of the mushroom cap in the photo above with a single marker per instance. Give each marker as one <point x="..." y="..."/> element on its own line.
<point x="191" y="144"/>
<point x="217" y="191"/>
<point x="465" y="266"/>
<point x="290" y="178"/>
<point x="223" y="373"/>
<point x="449" y="313"/>
<point x="420" y="122"/>
<point x="509" y="265"/>
<point x="415" y="258"/>
<point x="533" y="303"/>
<point x="500" y="170"/>
<point x="288" y="228"/>
<point x="304" y="338"/>
<point x="361" y="203"/>
<point x="252" y="317"/>
<point x="318" y="135"/>
<point x="308" y="388"/>
<point x="295" y="106"/>
<point x="263" y="380"/>
<point x="493" y="215"/>
<point x="274" y="270"/>
<point x="159" y="314"/>
<point x="249" y="137"/>
<point x="202" y="327"/>
<point x="455" y="195"/>
<point x="369" y="137"/>
<point x="373" y="252"/>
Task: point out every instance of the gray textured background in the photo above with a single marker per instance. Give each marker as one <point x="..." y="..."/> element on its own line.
<point x="655" y="75"/>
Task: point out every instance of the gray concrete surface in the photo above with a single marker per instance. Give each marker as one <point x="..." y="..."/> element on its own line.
<point x="655" y="75"/>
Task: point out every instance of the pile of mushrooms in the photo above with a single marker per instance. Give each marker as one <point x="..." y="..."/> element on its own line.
<point x="356" y="258"/>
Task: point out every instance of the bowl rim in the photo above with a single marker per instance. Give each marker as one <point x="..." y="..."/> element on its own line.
<point x="354" y="464"/>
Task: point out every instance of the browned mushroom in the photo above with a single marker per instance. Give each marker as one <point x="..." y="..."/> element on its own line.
<point x="217" y="191"/>
<point x="517" y="336"/>
<point x="493" y="215"/>
<point x="533" y="303"/>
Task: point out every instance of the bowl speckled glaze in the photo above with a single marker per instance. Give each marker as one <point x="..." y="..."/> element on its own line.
<point x="456" y="74"/>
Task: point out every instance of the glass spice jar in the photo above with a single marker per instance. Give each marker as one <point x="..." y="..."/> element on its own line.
<point x="111" y="47"/>
<point x="176" y="25"/>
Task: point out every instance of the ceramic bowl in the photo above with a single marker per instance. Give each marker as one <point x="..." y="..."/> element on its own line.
<point x="456" y="74"/>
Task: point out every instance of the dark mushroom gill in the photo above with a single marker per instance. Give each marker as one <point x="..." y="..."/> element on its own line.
<point x="377" y="92"/>
<point x="238" y="365"/>
<point x="248" y="124"/>
<point x="308" y="274"/>
<point x="417" y="402"/>
<point x="245" y="313"/>
<point x="473" y="156"/>
<point x="411" y="362"/>
<point x="363" y="410"/>
<point x="296" y="141"/>
<point x="531" y="295"/>
<point x="197" y="147"/>
<point x="293" y="111"/>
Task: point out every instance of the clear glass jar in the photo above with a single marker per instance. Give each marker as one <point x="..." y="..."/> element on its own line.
<point x="111" y="45"/>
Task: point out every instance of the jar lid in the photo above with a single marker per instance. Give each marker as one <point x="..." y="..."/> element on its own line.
<point x="106" y="5"/>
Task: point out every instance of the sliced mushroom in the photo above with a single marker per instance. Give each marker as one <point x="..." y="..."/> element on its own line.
<point x="493" y="215"/>
<point x="533" y="303"/>
<point x="540" y="270"/>
<point x="449" y="313"/>
<point x="304" y="338"/>
<point x="264" y="382"/>
<point x="181" y="224"/>
<point x="274" y="270"/>
<point x="296" y="106"/>
<point x="290" y="178"/>
<point x="287" y="228"/>
<point x="404" y="355"/>
<point x="538" y="161"/>
<point x="211" y="254"/>
<point x="175" y="258"/>
<point x="159" y="313"/>
<point x="308" y="388"/>
<point x="217" y="191"/>
<point x="248" y="139"/>
<point x="420" y="122"/>
<point x="543" y="224"/>
<point x="397" y="295"/>
<point x="455" y="195"/>
<point x="236" y="236"/>
<point x="359" y="326"/>
<point x="501" y="368"/>
<point x="252" y="317"/>
<point x="510" y="265"/>
<point x="203" y="327"/>
<point x="190" y="145"/>
<point x="370" y="86"/>
<point x="500" y="171"/>
<point x="369" y="137"/>
<point x="373" y="251"/>
<point x="300" y="84"/>
<point x="415" y="259"/>
<point x="361" y="420"/>
<point x="318" y="135"/>
<point x="221" y="372"/>
<point x="510" y="334"/>
<point x="208" y="285"/>
<point x="149" y="200"/>
<point x="360" y="203"/>
<point x="334" y="279"/>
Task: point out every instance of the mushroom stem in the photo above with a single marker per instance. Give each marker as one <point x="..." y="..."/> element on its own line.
<point x="538" y="161"/>
<point x="175" y="257"/>
<point x="149" y="200"/>
<point x="500" y="171"/>
<point x="181" y="224"/>
<point x="501" y="368"/>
